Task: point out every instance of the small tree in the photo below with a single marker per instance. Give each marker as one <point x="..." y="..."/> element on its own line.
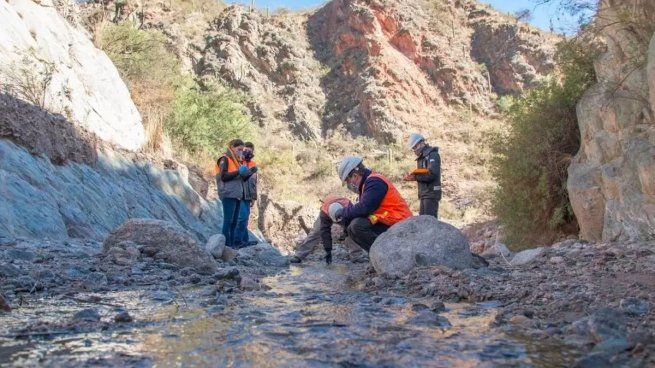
<point x="533" y="157"/>
<point x="205" y="119"/>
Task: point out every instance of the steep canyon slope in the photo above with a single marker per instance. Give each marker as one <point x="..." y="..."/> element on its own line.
<point x="357" y="77"/>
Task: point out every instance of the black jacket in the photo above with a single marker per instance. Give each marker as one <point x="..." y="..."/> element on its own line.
<point x="429" y="185"/>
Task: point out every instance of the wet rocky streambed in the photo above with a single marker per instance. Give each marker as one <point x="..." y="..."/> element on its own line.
<point x="310" y="315"/>
<point x="70" y="307"/>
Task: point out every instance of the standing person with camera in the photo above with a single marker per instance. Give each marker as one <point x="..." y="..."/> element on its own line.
<point x="249" y="196"/>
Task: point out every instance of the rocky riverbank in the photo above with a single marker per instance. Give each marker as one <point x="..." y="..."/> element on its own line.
<point x="70" y="302"/>
<point x="50" y="289"/>
<point x="597" y="297"/>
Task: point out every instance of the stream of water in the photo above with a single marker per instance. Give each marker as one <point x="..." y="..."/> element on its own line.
<point x="313" y="316"/>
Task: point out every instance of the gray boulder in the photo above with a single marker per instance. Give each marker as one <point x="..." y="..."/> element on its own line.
<point x="262" y="254"/>
<point x="419" y="241"/>
<point x="216" y="245"/>
<point x="527" y="256"/>
<point x="162" y="240"/>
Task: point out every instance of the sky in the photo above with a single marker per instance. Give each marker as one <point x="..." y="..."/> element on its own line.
<point x="542" y="15"/>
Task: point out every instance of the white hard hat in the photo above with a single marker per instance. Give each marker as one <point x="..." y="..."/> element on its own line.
<point x="333" y="209"/>
<point x="414" y="139"/>
<point x="347" y="165"/>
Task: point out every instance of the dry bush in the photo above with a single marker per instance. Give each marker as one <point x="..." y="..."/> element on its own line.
<point x="28" y="80"/>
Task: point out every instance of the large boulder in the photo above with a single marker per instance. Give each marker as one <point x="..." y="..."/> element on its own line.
<point x="419" y="241"/>
<point x="162" y="240"/>
<point x="611" y="180"/>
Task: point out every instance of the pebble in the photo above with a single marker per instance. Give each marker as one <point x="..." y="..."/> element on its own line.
<point x="437" y="306"/>
<point x="613" y="346"/>
<point x="96" y="280"/>
<point x="520" y="320"/>
<point x="4" y="306"/>
<point x="21" y="254"/>
<point x="9" y="270"/>
<point x="7" y="242"/>
<point x="417" y="307"/>
<point x="226" y="274"/>
<point x="249" y="284"/>
<point x="556" y="259"/>
<point x="429" y="318"/>
<point x="123" y="317"/>
<point x="87" y="315"/>
<point x="635" y="307"/>
<point x="607" y="323"/>
<point x="595" y="360"/>
<point x="162" y="296"/>
<point x="379" y="282"/>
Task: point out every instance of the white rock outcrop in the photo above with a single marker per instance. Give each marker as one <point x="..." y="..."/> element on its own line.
<point x="39" y="49"/>
<point x="39" y="199"/>
<point x="611" y="180"/>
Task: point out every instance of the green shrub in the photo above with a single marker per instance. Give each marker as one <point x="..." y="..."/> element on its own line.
<point x="204" y="119"/>
<point x="139" y="54"/>
<point x="531" y="160"/>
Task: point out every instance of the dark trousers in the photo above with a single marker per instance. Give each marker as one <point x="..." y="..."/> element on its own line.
<point x="429" y="206"/>
<point x="364" y="233"/>
<point x="241" y="237"/>
<point x="230" y="216"/>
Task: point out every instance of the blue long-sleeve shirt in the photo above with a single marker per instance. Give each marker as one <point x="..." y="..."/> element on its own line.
<point x="372" y="191"/>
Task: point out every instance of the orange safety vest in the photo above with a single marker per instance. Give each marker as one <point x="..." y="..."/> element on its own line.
<point x="250" y="164"/>
<point x="232" y="165"/>
<point x="393" y="208"/>
<point x="333" y="199"/>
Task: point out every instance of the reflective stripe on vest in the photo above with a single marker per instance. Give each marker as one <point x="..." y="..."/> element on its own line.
<point x="393" y="208"/>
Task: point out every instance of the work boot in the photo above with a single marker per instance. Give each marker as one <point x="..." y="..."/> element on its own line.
<point x="295" y="259"/>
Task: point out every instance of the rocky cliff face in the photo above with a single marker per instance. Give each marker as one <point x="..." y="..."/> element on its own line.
<point x="53" y="64"/>
<point x="612" y="178"/>
<point x="68" y="129"/>
<point x="271" y="60"/>
<point x="373" y="68"/>
<point x="405" y="65"/>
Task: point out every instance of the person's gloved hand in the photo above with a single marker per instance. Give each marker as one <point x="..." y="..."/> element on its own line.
<point x="243" y="169"/>
<point x="328" y="257"/>
<point x="253" y="170"/>
<point x="335" y="211"/>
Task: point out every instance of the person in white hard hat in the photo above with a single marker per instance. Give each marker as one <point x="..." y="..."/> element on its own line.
<point x="379" y="207"/>
<point x="324" y="228"/>
<point x="427" y="174"/>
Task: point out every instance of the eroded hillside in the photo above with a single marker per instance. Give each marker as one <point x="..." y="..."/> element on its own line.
<point x="357" y="77"/>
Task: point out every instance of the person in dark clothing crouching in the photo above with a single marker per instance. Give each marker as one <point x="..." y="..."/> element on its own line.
<point x="427" y="174"/>
<point x="379" y="207"/>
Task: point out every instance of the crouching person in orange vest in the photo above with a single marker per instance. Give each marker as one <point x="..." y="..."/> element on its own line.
<point x="379" y="207"/>
<point x="322" y="233"/>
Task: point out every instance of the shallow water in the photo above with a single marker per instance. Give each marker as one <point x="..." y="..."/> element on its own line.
<point x="312" y="316"/>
